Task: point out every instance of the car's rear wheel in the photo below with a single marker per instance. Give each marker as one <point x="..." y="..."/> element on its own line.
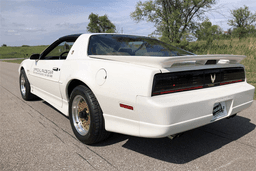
<point x="86" y="116"/>
<point x="25" y="87"/>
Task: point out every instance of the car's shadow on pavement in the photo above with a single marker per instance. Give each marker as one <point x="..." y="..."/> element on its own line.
<point x="192" y="145"/>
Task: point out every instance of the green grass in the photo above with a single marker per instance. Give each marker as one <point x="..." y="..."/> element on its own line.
<point x="20" y="52"/>
<point x="254" y="84"/>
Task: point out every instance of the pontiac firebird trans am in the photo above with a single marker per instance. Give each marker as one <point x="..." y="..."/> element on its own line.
<point x="134" y="85"/>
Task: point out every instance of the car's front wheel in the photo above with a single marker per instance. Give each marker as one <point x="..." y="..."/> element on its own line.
<point x="86" y="116"/>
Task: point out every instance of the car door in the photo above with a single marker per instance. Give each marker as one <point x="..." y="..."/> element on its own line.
<point x="45" y="72"/>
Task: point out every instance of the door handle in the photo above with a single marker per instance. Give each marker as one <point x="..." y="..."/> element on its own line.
<point x="55" y="69"/>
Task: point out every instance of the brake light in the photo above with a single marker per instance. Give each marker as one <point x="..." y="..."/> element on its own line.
<point x="178" y="90"/>
<point x="231" y="82"/>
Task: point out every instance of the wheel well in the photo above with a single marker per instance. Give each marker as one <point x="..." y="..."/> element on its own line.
<point x="73" y="84"/>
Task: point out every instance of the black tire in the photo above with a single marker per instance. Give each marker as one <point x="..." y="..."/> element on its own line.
<point x="25" y="87"/>
<point x="86" y="117"/>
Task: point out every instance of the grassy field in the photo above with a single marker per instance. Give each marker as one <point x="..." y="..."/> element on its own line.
<point x="20" y="52"/>
<point x="245" y="46"/>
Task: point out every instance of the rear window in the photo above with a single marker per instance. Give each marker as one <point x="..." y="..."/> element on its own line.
<point x="126" y="45"/>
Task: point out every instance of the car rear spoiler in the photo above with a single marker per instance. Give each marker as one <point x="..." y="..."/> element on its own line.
<point x="167" y="62"/>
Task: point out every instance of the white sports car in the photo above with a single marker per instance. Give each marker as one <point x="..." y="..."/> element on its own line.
<point x="134" y="85"/>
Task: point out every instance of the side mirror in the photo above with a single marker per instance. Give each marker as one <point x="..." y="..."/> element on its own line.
<point x="35" y="56"/>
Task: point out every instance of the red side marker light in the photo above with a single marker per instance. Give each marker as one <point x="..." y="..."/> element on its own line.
<point x="126" y="106"/>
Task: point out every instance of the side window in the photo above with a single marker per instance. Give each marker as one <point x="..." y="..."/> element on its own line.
<point x="60" y="51"/>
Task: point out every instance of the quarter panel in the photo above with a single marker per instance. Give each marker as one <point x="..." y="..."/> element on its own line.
<point x="124" y="82"/>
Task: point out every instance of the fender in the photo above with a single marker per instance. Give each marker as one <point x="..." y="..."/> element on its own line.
<point x="26" y="65"/>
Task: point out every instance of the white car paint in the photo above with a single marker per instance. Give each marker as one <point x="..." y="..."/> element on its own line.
<point x="116" y="80"/>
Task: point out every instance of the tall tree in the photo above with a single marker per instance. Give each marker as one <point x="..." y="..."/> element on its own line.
<point x="207" y="31"/>
<point x="100" y="24"/>
<point x="242" y="20"/>
<point x="173" y="18"/>
<point x="242" y="17"/>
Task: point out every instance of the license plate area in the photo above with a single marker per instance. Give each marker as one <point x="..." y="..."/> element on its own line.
<point x="219" y="110"/>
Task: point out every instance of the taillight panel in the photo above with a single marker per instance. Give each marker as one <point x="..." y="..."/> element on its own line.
<point x="165" y="83"/>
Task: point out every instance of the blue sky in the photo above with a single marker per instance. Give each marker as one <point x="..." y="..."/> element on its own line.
<point x="40" y="22"/>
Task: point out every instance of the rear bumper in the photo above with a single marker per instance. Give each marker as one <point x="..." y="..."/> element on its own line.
<point x="169" y="114"/>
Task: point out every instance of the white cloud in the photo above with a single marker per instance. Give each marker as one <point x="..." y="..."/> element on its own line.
<point x="32" y="21"/>
<point x="11" y="31"/>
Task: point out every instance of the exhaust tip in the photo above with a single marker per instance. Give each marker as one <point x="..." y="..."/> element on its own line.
<point x="172" y="137"/>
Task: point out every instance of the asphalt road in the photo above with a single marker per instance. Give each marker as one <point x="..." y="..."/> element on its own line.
<point x="35" y="136"/>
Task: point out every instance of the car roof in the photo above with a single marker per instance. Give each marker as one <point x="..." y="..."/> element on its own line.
<point x="121" y="34"/>
<point x="75" y="36"/>
<point x="71" y="36"/>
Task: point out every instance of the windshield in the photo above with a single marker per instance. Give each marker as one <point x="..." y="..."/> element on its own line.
<point x="126" y="45"/>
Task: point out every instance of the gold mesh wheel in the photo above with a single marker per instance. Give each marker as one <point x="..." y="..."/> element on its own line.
<point x="86" y="116"/>
<point x="81" y="115"/>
